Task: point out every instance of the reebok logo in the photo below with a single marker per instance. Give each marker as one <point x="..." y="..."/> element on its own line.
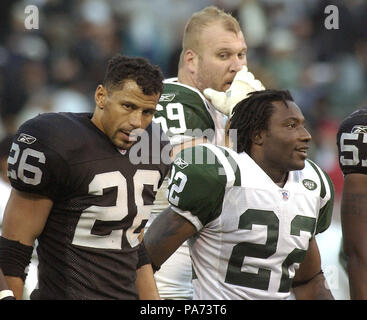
<point x="182" y="164"/>
<point x="359" y="129"/>
<point x="26" y="138"/>
<point x="167" y="97"/>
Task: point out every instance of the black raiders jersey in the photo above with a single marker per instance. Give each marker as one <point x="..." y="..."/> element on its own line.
<point x="352" y="143"/>
<point x="102" y="199"/>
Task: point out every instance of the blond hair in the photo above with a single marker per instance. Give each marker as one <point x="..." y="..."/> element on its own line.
<point x="199" y="21"/>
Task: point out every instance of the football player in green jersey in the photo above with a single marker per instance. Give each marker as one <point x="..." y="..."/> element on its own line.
<point x="250" y="216"/>
<point x="213" y="54"/>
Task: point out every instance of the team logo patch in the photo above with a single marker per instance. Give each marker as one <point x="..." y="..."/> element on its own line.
<point x="284" y="194"/>
<point x="359" y="129"/>
<point x="309" y="184"/>
<point x="181" y="163"/>
<point x="167" y="97"/>
<point x="26" y="138"/>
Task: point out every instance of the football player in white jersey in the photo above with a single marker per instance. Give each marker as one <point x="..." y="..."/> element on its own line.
<point x="213" y="56"/>
<point x="250" y="216"/>
<point x="352" y="148"/>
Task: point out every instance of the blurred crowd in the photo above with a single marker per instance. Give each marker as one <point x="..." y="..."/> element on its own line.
<point x="57" y="67"/>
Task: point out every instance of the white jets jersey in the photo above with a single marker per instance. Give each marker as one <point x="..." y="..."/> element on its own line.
<point x="252" y="234"/>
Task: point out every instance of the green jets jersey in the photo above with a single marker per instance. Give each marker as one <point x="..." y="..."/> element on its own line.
<point x="253" y="234"/>
<point x="184" y="113"/>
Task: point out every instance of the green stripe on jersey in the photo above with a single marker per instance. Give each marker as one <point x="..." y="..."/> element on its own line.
<point x="234" y="166"/>
<point x="325" y="213"/>
<point x="323" y="189"/>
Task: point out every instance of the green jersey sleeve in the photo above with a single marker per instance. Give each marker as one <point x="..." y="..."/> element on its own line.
<point x="326" y="210"/>
<point x="183" y="111"/>
<point x="197" y="185"/>
<point x="326" y="199"/>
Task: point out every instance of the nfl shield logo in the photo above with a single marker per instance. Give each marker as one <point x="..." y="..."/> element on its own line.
<point x="285" y="194"/>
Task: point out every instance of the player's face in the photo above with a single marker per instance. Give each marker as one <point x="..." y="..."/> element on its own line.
<point x="124" y="110"/>
<point x="222" y="54"/>
<point x="285" y="143"/>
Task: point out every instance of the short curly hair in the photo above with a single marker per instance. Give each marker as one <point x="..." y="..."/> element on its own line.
<point x="121" y="68"/>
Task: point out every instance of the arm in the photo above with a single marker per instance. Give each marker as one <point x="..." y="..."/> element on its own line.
<point x="3" y="284"/>
<point x="24" y="219"/>
<point x="354" y="227"/>
<point x="309" y="283"/>
<point x="188" y="144"/>
<point x="167" y="232"/>
<point x="5" y="293"/>
<point x="145" y="282"/>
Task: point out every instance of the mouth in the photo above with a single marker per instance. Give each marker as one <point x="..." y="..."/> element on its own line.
<point x="303" y="150"/>
<point x="128" y="136"/>
<point x="227" y="85"/>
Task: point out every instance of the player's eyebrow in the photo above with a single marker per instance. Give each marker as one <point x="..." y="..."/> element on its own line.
<point x="295" y="119"/>
<point x="128" y="104"/>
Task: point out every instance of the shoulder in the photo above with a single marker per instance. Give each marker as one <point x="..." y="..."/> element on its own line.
<point x="315" y="178"/>
<point x="352" y="143"/>
<point x="317" y="181"/>
<point x="51" y="120"/>
<point x="356" y="122"/>
<point x="65" y="133"/>
<point x="50" y="128"/>
<point x="41" y="150"/>
<point x="198" y="183"/>
<point x="182" y="108"/>
<point x="176" y="91"/>
<point x="209" y="165"/>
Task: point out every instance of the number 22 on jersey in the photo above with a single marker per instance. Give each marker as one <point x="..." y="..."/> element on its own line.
<point x="260" y="279"/>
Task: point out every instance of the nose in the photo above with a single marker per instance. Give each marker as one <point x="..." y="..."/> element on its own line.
<point x="305" y="135"/>
<point x="238" y="63"/>
<point x="135" y="119"/>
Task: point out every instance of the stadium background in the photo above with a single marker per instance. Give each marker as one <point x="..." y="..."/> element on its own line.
<point x="58" y="66"/>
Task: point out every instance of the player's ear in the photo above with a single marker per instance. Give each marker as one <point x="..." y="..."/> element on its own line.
<point x="257" y="137"/>
<point x="191" y="60"/>
<point x="100" y="96"/>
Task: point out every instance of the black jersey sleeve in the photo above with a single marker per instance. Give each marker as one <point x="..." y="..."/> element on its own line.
<point x="34" y="165"/>
<point x="352" y="143"/>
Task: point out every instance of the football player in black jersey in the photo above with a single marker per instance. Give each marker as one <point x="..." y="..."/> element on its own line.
<point x="352" y="148"/>
<point x="81" y="191"/>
